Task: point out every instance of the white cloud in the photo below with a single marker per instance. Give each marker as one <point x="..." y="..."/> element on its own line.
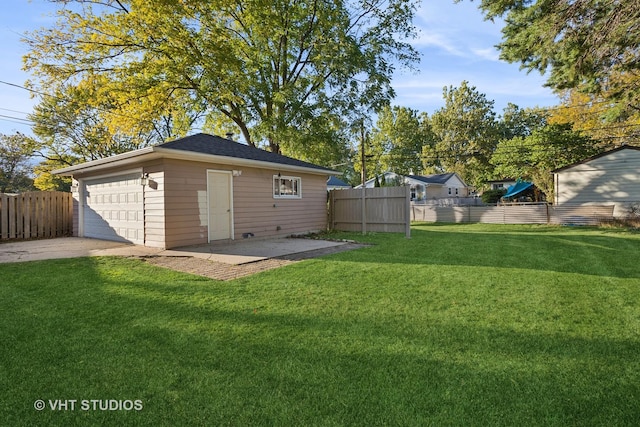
<point x="487" y="54"/>
<point x="427" y="38"/>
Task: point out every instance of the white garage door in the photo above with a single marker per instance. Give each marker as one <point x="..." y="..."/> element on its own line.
<point x="113" y="209"/>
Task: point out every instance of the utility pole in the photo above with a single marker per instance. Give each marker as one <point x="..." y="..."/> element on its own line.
<point x="363" y="173"/>
<point x="364" y="177"/>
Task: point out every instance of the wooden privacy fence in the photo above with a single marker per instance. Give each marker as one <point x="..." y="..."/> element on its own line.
<point x="514" y="214"/>
<point x="37" y="214"/>
<point x="383" y="209"/>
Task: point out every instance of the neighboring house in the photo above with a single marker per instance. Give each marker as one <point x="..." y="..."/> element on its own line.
<point x="195" y="190"/>
<point x="501" y="184"/>
<point x="334" y="183"/>
<point x="437" y="186"/>
<point x="610" y="178"/>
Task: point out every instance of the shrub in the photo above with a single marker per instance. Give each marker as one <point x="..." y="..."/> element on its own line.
<point x="493" y="196"/>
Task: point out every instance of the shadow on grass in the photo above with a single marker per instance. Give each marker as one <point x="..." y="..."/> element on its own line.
<point x="589" y="252"/>
<point x="201" y="353"/>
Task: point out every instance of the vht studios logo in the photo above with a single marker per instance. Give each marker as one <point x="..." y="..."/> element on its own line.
<point x="88" y="405"/>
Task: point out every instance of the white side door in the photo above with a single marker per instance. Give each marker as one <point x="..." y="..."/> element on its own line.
<point x="220" y="195"/>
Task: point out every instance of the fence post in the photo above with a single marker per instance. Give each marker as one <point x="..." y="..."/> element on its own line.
<point x="332" y="206"/>
<point x="548" y="217"/>
<point x="364" y="209"/>
<point x="4" y="216"/>
<point x="407" y="215"/>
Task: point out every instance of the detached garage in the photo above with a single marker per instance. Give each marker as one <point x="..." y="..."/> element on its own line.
<point x="196" y="190"/>
<point x="611" y="178"/>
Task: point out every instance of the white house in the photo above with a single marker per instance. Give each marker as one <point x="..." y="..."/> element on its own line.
<point x="610" y="178"/>
<point x="428" y="187"/>
<point x="501" y="184"/>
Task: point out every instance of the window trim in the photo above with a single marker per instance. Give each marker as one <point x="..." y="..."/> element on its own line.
<point x="286" y="196"/>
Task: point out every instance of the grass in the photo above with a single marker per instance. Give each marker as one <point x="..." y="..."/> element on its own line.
<point x="460" y="325"/>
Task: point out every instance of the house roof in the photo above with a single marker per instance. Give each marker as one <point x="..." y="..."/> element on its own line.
<point x="202" y="147"/>
<point x="597" y="156"/>
<point x="218" y="146"/>
<point x="438" y="178"/>
<point x="335" y="182"/>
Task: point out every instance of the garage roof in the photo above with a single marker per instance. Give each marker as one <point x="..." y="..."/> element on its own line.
<point x="202" y="147"/>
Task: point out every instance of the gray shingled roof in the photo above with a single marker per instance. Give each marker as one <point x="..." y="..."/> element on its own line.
<point x="336" y="182"/>
<point x="439" y="178"/>
<point x="218" y="146"/>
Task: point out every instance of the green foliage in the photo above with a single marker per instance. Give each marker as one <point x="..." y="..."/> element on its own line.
<point x="518" y="122"/>
<point x="15" y="152"/>
<point x="46" y="181"/>
<point x="534" y="157"/>
<point x="287" y="74"/>
<point x="493" y="196"/>
<point x="466" y="132"/>
<point x="579" y="43"/>
<point x="397" y="140"/>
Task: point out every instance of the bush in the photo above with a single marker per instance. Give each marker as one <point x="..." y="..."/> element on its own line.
<point x="493" y="196"/>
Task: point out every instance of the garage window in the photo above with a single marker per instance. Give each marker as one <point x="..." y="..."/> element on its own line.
<point x="287" y="187"/>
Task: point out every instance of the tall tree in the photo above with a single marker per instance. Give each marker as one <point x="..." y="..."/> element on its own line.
<point x="15" y="152"/>
<point x="398" y="139"/>
<point x="591" y="44"/>
<point x="466" y="132"/>
<point x="516" y="121"/>
<point x="270" y="67"/>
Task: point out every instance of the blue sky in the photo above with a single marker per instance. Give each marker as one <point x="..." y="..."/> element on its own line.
<point x="455" y="42"/>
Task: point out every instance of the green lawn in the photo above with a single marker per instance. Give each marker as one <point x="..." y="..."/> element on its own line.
<point x="460" y="325"/>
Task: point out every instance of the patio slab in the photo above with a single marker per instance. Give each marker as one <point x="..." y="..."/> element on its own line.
<point x="234" y="253"/>
<point x="247" y="251"/>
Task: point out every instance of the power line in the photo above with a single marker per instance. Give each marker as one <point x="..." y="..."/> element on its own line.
<point x="15" y="119"/>
<point x="14" y="111"/>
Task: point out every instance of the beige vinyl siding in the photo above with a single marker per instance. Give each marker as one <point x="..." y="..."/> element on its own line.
<point x="610" y="179"/>
<point x="254" y="208"/>
<point x="185" y="202"/>
<point x="154" y="206"/>
<point x="256" y="211"/>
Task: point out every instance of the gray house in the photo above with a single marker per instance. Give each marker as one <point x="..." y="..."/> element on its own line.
<point x="426" y="187"/>
<point x="610" y="178"/>
<point x="196" y="190"/>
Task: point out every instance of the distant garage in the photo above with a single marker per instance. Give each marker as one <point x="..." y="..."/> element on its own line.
<point x="113" y="208"/>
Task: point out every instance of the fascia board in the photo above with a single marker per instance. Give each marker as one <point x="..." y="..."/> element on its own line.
<point x="237" y="161"/>
<point x="150" y="153"/>
<point x="123" y="159"/>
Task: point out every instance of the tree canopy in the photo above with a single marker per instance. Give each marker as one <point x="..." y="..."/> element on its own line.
<point x="466" y="133"/>
<point x="587" y="44"/>
<point x="274" y="70"/>
<point x="535" y="156"/>
<point x="397" y="141"/>
<point x="15" y="152"/>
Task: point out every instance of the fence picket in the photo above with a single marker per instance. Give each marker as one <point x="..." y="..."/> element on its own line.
<point x="514" y="214"/>
<point x="384" y="209"/>
<point x="36" y="214"/>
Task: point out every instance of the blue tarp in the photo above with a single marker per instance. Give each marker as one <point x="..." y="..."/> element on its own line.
<point x="517" y="188"/>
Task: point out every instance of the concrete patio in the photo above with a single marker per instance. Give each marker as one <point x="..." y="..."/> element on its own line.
<point x="232" y="253"/>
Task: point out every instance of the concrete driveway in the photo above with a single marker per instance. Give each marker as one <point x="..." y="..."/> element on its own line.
<point x="234" y="253"/>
